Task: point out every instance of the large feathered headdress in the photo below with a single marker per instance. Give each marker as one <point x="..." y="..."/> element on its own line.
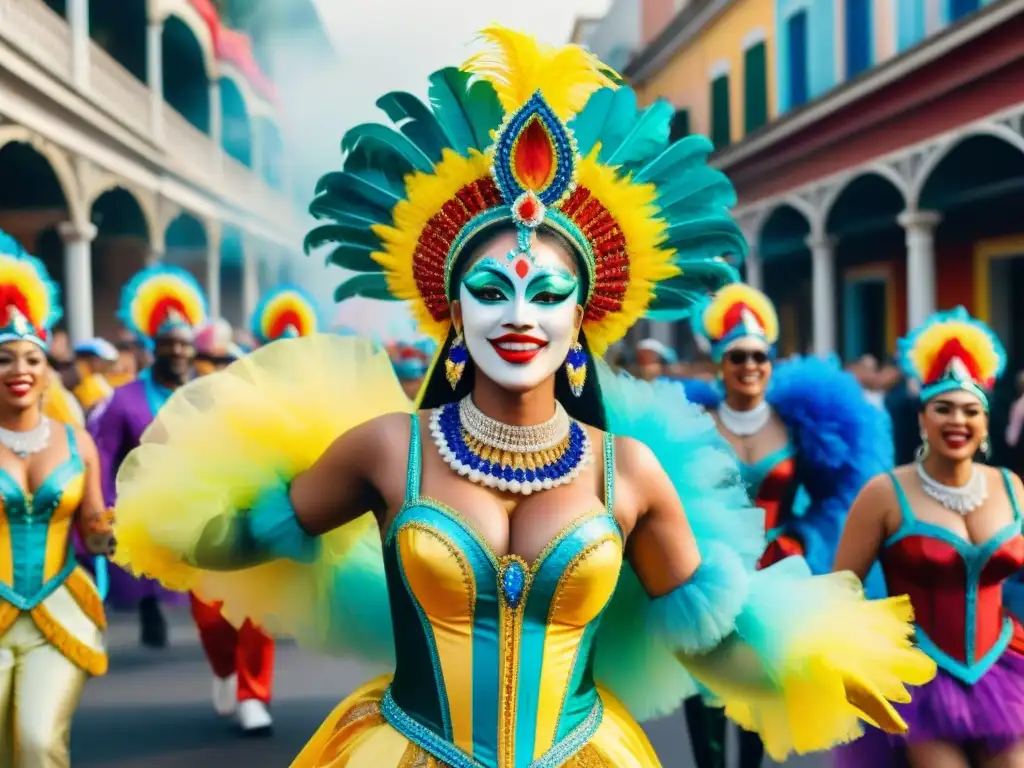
<point x="285" y="312"/>
<point x="950" y="351"/>
<point x="159" y="299"/>
<point x="529" y="135"/>
<point x="29" y="299"/>
<point x="736" y="312"/>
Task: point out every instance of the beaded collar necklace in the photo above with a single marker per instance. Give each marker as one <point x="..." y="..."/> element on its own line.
<point x="509" y="458"/>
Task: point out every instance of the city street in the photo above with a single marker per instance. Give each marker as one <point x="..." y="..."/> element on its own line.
<point x="153" y="709"/>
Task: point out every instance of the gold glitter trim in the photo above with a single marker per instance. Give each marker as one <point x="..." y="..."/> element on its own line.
<point x="87" y="598"/>
<point x="363" y="711"/>
<point x="74" y="650"/>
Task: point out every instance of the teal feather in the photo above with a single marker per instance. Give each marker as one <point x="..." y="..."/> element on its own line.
<point x="376" y="138"/>
<point x="713" y="236"/>
<point x="367" y="286"/>
<point x="647" y="138"/>
<point x="619" y="121"/>
<point x="586" y="127"/>
<point x="639" y="669"/>
<point x="606" y="119"/>
<point x="354" y="257"/>
<point x="702" y="187"/>
<point x="369" y="156"/>
<point x="415" y="120"/>
<point x="347" y="210"/>
<point x="333" y="233"/>
<point x="683" y="155"/>
<point x="468" y="111"/>
<point x="361" y="187"/>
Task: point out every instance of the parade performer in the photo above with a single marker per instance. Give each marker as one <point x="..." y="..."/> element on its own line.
<point x="51" y="616"/>
<point x="562" y="549"/>
<point x="215" y="347"/>
<point x="161" y="306"/>
<point x="802" y="427"/>
<point x="948" y="532"/>
<point x="242" y="658"/>
<point x="94" y="359"/>
<point x="412" y="362"/>
<point x="653" y="359"/>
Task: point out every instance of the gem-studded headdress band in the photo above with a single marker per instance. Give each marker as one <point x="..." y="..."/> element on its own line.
<point x="528" y="134"/>
<point x="29" y="299"/>
<point x="953" y="351"/>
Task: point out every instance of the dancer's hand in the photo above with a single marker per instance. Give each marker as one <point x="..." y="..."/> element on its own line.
<point x="102" y="543"/>
<point x="873" y="706"/>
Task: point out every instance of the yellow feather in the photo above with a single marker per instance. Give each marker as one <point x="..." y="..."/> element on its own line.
<point x="740" y="293"/>
<point x="518" y="66"/>
<point x="974" y="340"/>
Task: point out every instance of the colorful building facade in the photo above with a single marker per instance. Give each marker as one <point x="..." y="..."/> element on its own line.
<point x="877" y="150"/>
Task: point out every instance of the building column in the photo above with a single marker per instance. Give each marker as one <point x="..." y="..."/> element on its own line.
<point x="155" y="77"/>
<point x="78" y="278"/>
<point x="250" y="278"/>
<point x="823" y="293"/>
<point x="77" y="14"/>
<point x="932" y="16"/>
<point x="217" y="124"/>
<point x="754" y="274"/>
<point x="919" y="228"/>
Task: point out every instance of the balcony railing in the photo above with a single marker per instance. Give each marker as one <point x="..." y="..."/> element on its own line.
<point x="45" y="36"/>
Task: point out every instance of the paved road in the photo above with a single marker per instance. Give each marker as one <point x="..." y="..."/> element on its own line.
<point x="153" y="710"/>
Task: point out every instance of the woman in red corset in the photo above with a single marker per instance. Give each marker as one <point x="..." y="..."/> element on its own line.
<point x="242" y="658"/>
<point x="948" y="532"/>
<point x="807" y="440"/>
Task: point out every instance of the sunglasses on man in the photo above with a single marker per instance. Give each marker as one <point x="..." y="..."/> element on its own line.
<point x="744" y="356"/>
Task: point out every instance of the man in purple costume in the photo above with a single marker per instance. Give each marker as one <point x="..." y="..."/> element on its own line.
<point x="117" y="428"/>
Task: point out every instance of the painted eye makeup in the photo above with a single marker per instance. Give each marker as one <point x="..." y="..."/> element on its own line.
<point x="485" y="283"/>
<point x="552" y="288"/>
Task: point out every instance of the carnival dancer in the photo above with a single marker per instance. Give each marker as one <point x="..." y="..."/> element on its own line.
<point x="802" y="427"/>
<point x="94" y="358"/>
<point x="51" y="616"/>
<point x="653" y="359"/>
<point x="161" y="306"/>
<point x="242" y="658"/>
<point x="215" y="347"/>
<point x="562" y="548"/>
<point x="411" y="360"/>
<point x="948" y="532"/>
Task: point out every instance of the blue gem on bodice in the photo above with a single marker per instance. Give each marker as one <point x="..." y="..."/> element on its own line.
<point x="513" y="583"/>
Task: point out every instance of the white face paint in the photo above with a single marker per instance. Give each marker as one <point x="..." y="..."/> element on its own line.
<point x="519" y="313"/>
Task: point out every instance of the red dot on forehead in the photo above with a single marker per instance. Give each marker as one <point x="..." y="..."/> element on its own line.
<point x="522" y="268"/>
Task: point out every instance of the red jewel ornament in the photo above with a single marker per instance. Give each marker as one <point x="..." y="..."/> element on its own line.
<point x="521" y="268"/>
<point x="528" y="210"/>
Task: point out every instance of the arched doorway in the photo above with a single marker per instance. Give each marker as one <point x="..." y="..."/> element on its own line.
<point x="32" y="209"/>
<point x="121" y="248"/>
<point x="978" y="187"/>
<point x="786" y="275"/>
<point x="119" y="27"/>
<point x="870" y="267"/>
<point x="186" y="246"/>
<point x="186" y="82"/>
<point x="237" y="129"/>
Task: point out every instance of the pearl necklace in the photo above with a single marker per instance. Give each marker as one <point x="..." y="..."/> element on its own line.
<point x="30" y="441"/>
<point x="962" y="499"/>
<point x="510" y="458"/>
<point x="744" y="423"/>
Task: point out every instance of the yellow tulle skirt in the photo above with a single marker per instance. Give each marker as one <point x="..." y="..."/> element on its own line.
<point x="356" y="735"/>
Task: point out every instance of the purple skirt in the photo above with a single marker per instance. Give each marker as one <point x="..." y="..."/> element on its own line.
<point x="988" y="714"/>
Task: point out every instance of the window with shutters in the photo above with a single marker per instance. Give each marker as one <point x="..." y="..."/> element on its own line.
<point x="858" y="36"/>
<point x="755" y="88"/>
<point x="720" y="117"/>
<point x="680" y="125"/>
<point x="796" y="28"/>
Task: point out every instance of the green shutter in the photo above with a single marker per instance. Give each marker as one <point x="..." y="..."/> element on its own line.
<point x="755" y="88"/>
<point x="680" y="126"/>
<point x="720" y="112"/>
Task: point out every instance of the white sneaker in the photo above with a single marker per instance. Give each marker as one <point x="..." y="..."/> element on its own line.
<point x="254" y="718"/>
<point x="225" y="695"/>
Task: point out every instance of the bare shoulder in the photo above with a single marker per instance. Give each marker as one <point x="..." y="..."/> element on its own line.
<point x="995" y="475"/>
<point x="880" y="490"/>
<point x="635" y="460"/>
<point x="86" y="445"/>
<point x="380" y="438"/>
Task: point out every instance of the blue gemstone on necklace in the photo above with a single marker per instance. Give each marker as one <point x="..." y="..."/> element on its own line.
<point x="513" y="583"/>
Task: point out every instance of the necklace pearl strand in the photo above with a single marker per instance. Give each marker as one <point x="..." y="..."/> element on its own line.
<point x="962" y="499"/>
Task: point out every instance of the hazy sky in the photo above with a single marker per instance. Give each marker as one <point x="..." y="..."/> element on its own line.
<point x="385" y="45"/>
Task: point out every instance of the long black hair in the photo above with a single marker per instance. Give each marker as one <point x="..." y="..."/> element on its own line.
<point x="588" y="408"/>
